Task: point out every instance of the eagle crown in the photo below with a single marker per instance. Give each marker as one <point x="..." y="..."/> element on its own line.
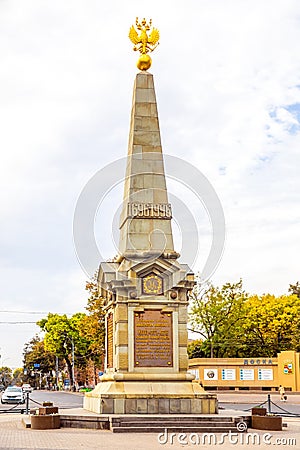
<point x="144" y="42"/>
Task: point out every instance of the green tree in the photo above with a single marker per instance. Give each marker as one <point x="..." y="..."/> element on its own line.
<point x="5" y="376"/>
<point x="64" y="338"/>
<point x="78" y="340"/>
<point x="34" y="352"/>
<point x="215" y="314"/>
<point x="94" y="323"/>
<point x="18" y="376"/>
<point x="198" y="349"/>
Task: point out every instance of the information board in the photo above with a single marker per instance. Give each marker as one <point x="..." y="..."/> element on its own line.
<point x="265" y="374"/>
<point x="247" y="374"/>
<point x="228" y="374"/>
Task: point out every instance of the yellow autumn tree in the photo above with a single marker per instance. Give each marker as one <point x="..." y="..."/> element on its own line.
<point x="271" y="324"/>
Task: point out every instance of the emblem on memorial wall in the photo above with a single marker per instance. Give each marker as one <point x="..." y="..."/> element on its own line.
<point x="152" y="284"/>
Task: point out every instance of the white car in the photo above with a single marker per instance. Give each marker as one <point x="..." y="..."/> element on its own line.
<point x="26" y="387"/>
<point x="13" y="394"/>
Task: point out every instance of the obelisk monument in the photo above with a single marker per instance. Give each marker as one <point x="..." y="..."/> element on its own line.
<point x="145" y="289"/>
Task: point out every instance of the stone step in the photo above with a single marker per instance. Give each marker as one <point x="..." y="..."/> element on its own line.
<point x="172" y="418"/>
<point x="169" y="424"/>
<point x="178" y="424"/>
<point x="91" y="422"/>
<point x="177" y="429"/>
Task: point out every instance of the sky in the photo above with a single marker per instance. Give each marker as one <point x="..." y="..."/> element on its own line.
<point x="227" y="79"/>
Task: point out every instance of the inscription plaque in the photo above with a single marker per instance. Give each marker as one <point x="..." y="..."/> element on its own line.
<point x="153" y="341"/>
<point x="110" y="340"/>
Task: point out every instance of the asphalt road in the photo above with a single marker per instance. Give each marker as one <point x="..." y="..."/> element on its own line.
<point x="64" y="400"/>
<point x="235" y="401"/>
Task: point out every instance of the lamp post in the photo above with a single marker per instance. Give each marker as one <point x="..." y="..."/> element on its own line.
<point x="73" y="360"/>
<point x="73" y="364"/>
<point x="56" y="371"/>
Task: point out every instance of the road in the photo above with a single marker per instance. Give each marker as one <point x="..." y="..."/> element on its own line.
<point x="234" y="401"/>
<point x="64" y="400"/>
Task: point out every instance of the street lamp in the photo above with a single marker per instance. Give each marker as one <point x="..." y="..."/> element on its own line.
<point x="73" y="364"/>
<point x="73" y="359"/>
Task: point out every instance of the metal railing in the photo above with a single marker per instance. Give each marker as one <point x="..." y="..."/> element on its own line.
<point x="283" y="412"/>
<point x="24" y="410"/>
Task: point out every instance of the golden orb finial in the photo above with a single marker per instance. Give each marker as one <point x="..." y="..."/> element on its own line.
<point x="144" y="42"/>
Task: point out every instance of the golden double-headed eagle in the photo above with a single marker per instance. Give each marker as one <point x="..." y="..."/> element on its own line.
<point x="144" y="42"/>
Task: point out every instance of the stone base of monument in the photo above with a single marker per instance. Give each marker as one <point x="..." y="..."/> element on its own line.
<point x="149" y="397"/>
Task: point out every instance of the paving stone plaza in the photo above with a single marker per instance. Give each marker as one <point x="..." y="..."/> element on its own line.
<point x="13" y="435"/>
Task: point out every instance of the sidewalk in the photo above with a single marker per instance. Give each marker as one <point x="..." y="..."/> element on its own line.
<point x="14" y="436"/>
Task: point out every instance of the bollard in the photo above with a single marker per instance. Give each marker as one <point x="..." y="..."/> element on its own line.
<point x="27" y="402"/>
<point x="269" y="404"/>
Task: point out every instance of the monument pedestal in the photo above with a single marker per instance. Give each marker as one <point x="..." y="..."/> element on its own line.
<point x="150" y="397"/>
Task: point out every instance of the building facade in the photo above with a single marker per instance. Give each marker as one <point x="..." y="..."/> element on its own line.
<point x="248" y="373"/>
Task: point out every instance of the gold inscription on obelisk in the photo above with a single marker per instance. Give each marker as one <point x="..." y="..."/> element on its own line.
<point x="110" y="340"/>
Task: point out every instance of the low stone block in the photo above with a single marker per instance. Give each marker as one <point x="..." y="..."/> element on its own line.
<point x="196" y="407"/>
<point x="153" y="406"/>
<point x="185" y="406"/>
<point x="49" y="422"/>
<point x="130" y="406"/>
<point x="174" y="405"/>
<point x="259" y="411"/>
<point x="163" y="406"/>
<point x="48" y="410"/>
<point x="272" y="423"/>
<point x="141" y="406"/>
<point x="119" y="406"/>
<point x="107" y="406"/>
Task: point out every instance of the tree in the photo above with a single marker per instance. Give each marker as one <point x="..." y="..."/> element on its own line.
<point x="78" y="340"/>
<point x="271" y="325"/>
<point x="295" y="289"/>
<point x="95" y="321"/>
<point x="64" y="339"/>
<point x="215" y="315"/>
<point x="197" y="349"/>
<point x="18" y="376"/>
<point x="5" y="376"/>
<point x="34" y="352"/>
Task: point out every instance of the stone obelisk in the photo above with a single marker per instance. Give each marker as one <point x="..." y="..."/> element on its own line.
<point x="145" y="289"/>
